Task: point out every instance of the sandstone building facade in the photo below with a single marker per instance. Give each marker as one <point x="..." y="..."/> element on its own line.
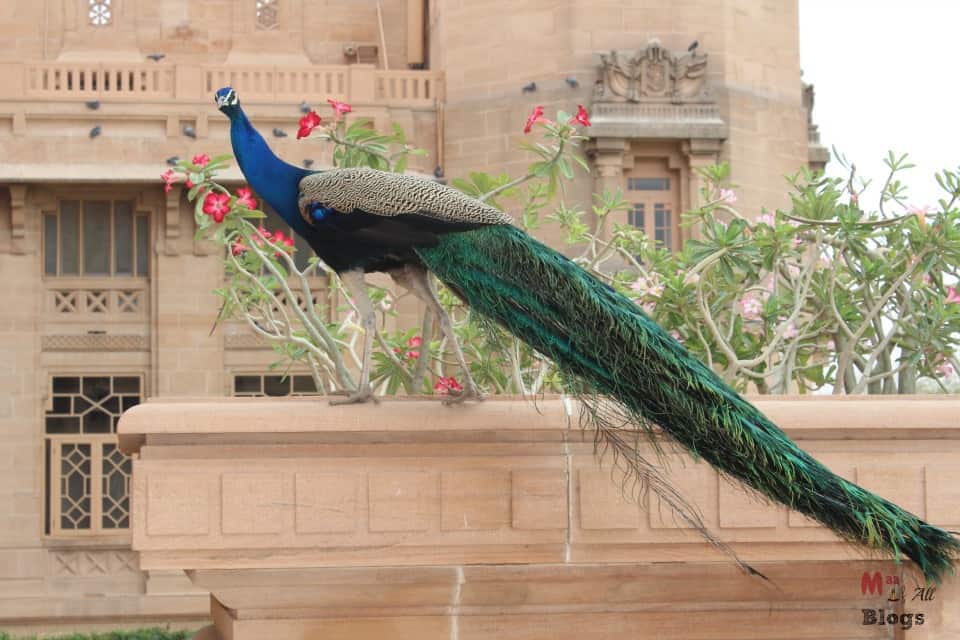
<point x="107" y="296"/>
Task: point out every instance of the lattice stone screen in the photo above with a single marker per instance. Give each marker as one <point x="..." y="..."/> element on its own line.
<point x="88" y="478"/>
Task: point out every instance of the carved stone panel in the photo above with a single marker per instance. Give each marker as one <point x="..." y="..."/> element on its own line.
<point x="652" y="74"/>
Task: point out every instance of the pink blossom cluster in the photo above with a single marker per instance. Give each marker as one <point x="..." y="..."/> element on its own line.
<point x="411" y="352"/>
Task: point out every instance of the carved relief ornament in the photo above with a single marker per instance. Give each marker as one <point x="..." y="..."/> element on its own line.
<point x="652" y="74"/>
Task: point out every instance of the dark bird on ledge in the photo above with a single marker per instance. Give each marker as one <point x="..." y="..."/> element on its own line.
<point x="304" y="107"/>
<point x="438" y="172"/>
<point x="157" y="57"/>
<point x="96" y="131"/>
<point x="572" y="82"/>
<point x="529" y="88"/>
<point x="693" y="46"/>
<point x="626" y="369"/>
<point x="173" y="160"/>
<point x="92" y="104"/>
<point x="189" y="131"/>
<point x="308" y="162"/>
<point x="279" y="133"/>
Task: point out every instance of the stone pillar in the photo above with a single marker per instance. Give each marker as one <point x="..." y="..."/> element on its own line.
<point x="607" y="155"/>
<point x="700" y="153"/>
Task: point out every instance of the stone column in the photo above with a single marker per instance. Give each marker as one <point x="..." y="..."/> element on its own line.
<point x="700" y="153"/>
<point x="607" y="155"/>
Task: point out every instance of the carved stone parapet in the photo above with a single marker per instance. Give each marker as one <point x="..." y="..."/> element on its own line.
<point x="657" y="121"/>
<point x="409" y="519"/>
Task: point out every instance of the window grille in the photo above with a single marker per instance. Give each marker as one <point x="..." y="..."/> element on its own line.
<point x="100" y="12"/>
<point x="88" y="478"/>
<point x="254" y="385"/>
<point x="96" y="238"/>
<point x="267" y="14"/>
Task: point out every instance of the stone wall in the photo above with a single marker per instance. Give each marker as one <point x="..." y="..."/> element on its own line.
<point x="496" y="520"/>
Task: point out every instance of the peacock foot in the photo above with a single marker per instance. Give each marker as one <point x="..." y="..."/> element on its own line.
<point x="360" y="396"/>
<point x="469" y="392"/>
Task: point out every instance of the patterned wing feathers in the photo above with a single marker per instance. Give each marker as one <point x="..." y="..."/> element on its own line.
<point x="392" y="194"/>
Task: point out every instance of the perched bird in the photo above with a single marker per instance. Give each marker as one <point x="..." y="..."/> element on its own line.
<point x="624" y="367"/>
<point x="438" y="172"/>
<point x="157" y="57"/>
<point x="308" y="162"/>
<point x="189" y="131"/>
<point x="305" y="107"/>
<point x="96" y="131"/>
<point x="529" y="88"/>
<point x="173" y="160"/>
<point x="279" y="133"/>
<point x="572" y="82"/>
<point x="92" y="104"/>
<point x="693" y="46"/>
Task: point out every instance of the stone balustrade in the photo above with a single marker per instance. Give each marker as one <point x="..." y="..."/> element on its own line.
<point x="412" y="519"/>
<point x="161" y="82"/>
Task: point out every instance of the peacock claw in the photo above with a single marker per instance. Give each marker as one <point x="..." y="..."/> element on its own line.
<point x="359" y="396"/>
<point x="469" y="392"/>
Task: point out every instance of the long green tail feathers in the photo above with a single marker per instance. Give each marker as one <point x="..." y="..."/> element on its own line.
<point x="631" y="373"/>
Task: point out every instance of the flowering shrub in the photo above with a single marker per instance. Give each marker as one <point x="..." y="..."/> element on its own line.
<point x="823" y="294"/>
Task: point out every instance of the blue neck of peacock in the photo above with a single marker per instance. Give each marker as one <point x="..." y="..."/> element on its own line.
<point x="273" y="179"/>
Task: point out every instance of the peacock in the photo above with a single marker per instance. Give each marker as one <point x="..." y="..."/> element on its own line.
<point x="628" y="371"/>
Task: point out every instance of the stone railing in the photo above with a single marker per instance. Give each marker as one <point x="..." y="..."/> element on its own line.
<point x="160" y="82"/>
<point x="86" y="299"/>
<point x="411" y="519"/>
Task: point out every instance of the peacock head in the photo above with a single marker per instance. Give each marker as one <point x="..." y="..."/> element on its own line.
<point x="227" y="100"/>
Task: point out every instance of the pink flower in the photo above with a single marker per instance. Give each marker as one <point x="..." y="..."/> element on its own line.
<point x="648" y="286"/>
<point x="245" y="198"/>
<point x="339" y="108"/>
<point x="927" y="279"/>
<point x="216" y="205"/>
<point x="189" y="183"/>
<point x="831" y="345"/>
<point x="169" y="178"/>
<point x="791" y="331"/>
<point x="413" y="355"/>
<point x="237" y="248"/>
<point x="308" y="123"/>
<point x="447" y="385"/>
<point x="535" y="116"/>
<point x="925" y="210"/>
<point x="768" y="219"/>
<point x="265" y="233"/>
<point x="751" y="307"/>
<point x="414" y="342"/>
<point x="676" y="335"/>
<point x="581" y="117"/>
<point x="945" y="369"/>
<point x="201" y="160"/>
<point x="398" y="351"/>
<point x="952" y="296"/>
<point x="728" y="196"/>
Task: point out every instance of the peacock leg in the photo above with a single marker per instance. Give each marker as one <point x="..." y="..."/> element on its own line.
<point x="353" y="281"/>
<point x="417" y="280"/>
